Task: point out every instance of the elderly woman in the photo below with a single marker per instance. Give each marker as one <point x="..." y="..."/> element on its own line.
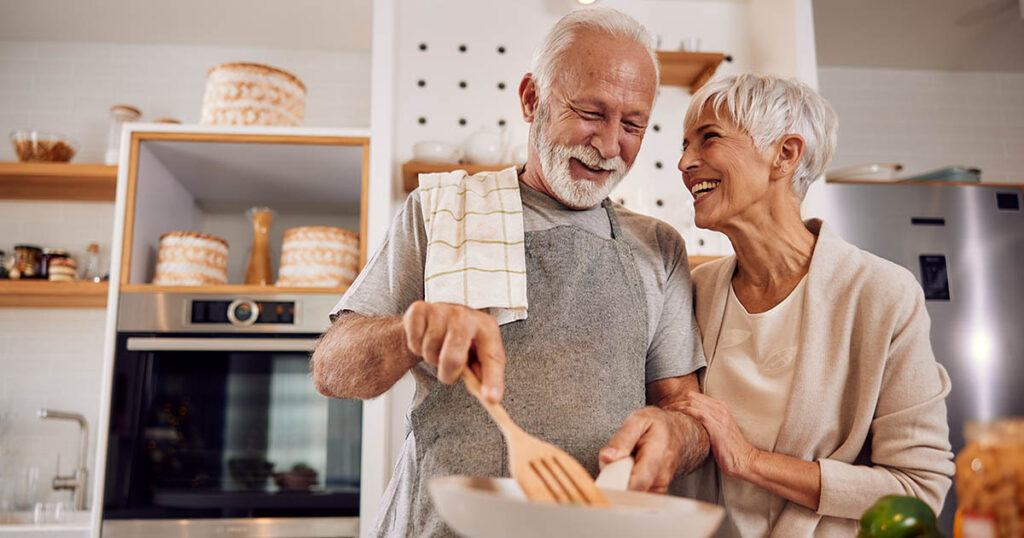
<point x="821" y="392"/>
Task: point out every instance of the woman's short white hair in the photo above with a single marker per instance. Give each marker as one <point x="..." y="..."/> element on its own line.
<point x="767" y="108"/>
<point x="548" y="57"/>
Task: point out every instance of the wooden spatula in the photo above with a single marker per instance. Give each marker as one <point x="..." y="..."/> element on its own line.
<point x="544" y="472"/>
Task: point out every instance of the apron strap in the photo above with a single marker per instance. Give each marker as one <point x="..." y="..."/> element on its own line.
<point x="612" y="219"/>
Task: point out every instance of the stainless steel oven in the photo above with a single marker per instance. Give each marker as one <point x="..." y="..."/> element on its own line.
<point x="216" y="429"/>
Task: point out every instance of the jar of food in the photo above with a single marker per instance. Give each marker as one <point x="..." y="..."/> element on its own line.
<point x="62" y="269"/>
<point x="119" y="115"/>
<point x="50" y="254"/>
<point x="990" y="480"/>
<point x="26" y="261"/>
<point x="3" y="265"/>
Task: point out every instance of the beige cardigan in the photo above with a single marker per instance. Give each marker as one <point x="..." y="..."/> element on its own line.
<point x="868" y="398"/>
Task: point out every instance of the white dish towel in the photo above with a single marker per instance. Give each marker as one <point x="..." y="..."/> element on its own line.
<point x="475" y="251"/>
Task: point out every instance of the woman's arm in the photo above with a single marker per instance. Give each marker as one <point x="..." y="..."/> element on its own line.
<point x="788" y="477"/>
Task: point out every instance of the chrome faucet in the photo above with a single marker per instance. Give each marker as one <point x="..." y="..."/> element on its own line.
<point x="76" y="482"/>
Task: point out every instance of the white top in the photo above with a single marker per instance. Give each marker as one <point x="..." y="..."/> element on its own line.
<point x="752" y="371"/>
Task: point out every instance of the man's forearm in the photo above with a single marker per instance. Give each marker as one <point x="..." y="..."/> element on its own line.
<point x="695" y="444"/>
<point x="361" y="357"/>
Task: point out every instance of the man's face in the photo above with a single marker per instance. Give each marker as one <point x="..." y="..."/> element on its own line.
<point x="588" y="129"/>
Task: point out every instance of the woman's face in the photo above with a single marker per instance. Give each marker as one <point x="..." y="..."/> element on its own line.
<point x="723" y="171"/>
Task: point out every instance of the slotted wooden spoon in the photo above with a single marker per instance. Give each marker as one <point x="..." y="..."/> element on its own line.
<point x="544" y="472"/>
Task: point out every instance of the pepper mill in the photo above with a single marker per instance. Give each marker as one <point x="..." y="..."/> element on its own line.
<point x="257" y="271"/>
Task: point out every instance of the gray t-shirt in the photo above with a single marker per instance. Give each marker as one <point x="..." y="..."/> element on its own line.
<point x="393" y="278"/>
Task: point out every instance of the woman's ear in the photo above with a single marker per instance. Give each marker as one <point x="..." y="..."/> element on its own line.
<point x="787" y="157"/>
<point x="528" y="97"/>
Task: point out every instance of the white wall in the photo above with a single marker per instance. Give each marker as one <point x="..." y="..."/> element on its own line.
<point x="50" y="357"/>
<point x="929" y="119"/>
<point x="69" y="87"/>
<point x="53" y="357"/>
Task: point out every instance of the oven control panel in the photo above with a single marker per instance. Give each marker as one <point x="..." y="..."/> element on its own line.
<point x="242" y="312"/>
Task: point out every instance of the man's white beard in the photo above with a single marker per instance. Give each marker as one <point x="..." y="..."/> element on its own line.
<point x="554" y="164"/>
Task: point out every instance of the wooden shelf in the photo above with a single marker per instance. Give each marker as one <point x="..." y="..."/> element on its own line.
<point x="44" y="294"/>
<point x="412" y="169"/>
<point x="231" y="289"/>
<point x="58" y="181"/>
<point x="688" y="69"/>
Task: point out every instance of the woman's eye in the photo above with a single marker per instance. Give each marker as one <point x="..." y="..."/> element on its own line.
<point x="710" y="135"/>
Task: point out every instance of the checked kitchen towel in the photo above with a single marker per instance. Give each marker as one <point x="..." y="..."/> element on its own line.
<point x="475" y="252"/>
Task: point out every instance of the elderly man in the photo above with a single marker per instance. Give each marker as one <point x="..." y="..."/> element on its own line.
<point x="609" y="340"/>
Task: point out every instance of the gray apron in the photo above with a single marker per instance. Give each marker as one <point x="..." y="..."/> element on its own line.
<point x="575" y="371"/>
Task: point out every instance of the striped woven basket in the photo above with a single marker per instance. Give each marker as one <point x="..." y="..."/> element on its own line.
<point x="318" y="256"/>
<point x="191" y="259"/>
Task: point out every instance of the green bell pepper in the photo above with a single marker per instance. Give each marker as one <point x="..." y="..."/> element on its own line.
<point x="897" y="516"/>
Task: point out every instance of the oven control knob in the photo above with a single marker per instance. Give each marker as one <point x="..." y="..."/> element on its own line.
<point x="243" y="312"/>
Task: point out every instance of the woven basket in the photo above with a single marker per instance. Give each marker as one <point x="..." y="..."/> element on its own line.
<point x="191" y="259"/>
<point x="253" y="94"/>
<point x="318" y="256"/>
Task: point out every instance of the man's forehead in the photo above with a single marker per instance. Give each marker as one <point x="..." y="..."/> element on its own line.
<point x="618" y="65"/>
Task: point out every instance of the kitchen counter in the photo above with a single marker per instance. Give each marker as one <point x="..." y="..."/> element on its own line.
<point x="78" y="525"/>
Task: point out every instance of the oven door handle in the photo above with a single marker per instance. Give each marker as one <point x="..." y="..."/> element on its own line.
<point x="139" y="343"/>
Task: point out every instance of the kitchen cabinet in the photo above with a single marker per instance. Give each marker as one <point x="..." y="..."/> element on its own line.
<point x="203" y="178"/>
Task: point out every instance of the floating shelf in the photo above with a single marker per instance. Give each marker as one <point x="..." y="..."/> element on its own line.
<point x="232" y="289"/>
<point x="688" y="69"/>
<point x="412" y="169"/>
<point x="44" y="294"/>
<point x="58" y="181"/>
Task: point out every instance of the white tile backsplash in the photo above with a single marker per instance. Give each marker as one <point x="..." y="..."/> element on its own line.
<point x="69" y="87"/>
<point x="54" y="357"/>
<point x="929" y="119"/>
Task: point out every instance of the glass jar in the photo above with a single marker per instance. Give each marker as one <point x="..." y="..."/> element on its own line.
<point x="3" y="265"/>
<point x="119" y="115"/>
<point x="990" y="480"/>
<point x="49" y="254"/>
<point x="26" y="261"/>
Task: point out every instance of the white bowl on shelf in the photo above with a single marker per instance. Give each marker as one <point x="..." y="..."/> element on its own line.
<point x="867" y="172"/>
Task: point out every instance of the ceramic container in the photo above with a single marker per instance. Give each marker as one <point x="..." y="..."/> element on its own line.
<point x="191" y="259"/>
<point x="253" y="94"/>
<point x="318" y="256"/>
<point x="436" y="152"/>
<point x="485" y="147"/>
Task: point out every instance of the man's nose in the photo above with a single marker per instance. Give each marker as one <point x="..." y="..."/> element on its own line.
<point x="606" y="141"/>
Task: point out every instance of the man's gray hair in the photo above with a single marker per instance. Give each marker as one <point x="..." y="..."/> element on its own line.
<point x="548" y="57"/>
<point x="767" y="108"/>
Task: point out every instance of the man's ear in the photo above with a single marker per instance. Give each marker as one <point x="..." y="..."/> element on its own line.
<point x="529" y="97"/>
<point x="787" y="156"/>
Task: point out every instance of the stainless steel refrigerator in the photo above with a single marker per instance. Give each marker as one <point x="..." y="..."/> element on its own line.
<point x="965" y="244"/>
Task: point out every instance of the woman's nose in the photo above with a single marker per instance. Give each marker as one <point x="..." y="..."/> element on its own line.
<point x="687" y="160"/>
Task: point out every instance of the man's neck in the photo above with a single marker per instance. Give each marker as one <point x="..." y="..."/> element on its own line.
<point x="532" y="176"/>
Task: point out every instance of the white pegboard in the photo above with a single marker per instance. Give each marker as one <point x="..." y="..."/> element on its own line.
<point x="442" y="44"/>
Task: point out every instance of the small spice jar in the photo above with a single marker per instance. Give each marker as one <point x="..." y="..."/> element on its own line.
<point x="50" y="254"/>
<point x="26" y="261"/>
